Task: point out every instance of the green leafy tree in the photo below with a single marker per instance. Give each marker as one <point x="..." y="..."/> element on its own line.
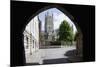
<point x="65" y="32"/>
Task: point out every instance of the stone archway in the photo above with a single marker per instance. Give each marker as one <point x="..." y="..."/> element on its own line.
<point x="79" y="36"/>
<point x="21" y="12"/>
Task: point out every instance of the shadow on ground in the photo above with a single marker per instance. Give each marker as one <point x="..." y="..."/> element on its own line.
<point x="27" y="64"/>
<point x="56" y="61"/>
<point x="73" y="57"/>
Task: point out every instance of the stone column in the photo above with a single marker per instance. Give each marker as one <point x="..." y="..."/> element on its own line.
<point x="79" y="44"/>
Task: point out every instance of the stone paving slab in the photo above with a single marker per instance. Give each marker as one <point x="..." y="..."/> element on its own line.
<point x="44" y="56"/>
<point x="35" y="57"/>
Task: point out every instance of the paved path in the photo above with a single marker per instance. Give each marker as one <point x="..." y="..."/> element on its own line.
<point x="56" y="53"/>
<point x="50" y="55"/>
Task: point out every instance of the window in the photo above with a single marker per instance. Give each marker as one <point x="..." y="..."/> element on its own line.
<point x="27" y="42"/>
<point x="33" y="43"/>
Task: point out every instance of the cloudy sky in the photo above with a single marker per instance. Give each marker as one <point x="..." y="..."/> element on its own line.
<point x="58" y="17"/>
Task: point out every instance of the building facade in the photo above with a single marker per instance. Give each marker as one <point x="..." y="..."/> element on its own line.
<point x="31" y="40"/>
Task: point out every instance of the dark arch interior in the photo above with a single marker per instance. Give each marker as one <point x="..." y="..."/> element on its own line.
<point x="21" y="12"/>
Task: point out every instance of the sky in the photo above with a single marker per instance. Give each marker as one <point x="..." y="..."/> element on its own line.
<point x="58" y="17"/>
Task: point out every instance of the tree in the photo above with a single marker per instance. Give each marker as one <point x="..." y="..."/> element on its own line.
<point x="65" y="32"/>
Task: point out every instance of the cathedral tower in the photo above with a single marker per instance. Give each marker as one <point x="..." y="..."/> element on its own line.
<point x="49" y="28"/>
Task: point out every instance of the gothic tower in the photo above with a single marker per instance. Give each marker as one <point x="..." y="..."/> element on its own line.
<point x="49" y="28"/>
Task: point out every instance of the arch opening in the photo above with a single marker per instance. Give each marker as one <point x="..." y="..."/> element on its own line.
<point x="43" y="33"/>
